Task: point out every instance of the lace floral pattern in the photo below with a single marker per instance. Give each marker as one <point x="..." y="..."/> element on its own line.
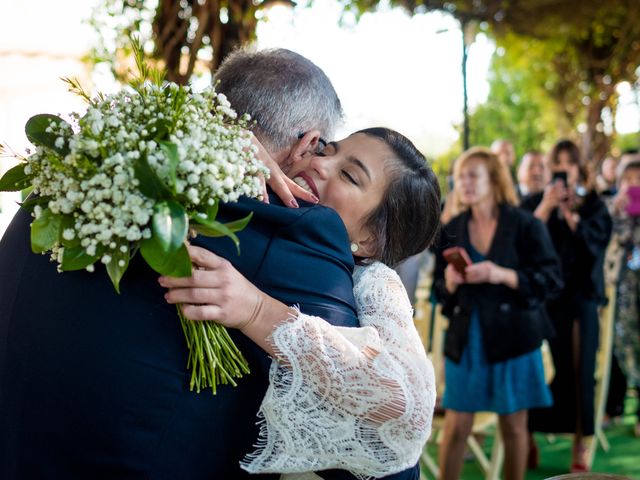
<point x="357" y="399"/>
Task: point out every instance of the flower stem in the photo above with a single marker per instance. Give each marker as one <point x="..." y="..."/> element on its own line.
<point x="214" y="358"/>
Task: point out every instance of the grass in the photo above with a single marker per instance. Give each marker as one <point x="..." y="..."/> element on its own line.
<point x="622" y="459"/>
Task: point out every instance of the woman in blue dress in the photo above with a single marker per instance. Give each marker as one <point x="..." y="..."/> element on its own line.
<point x="495" y="307"/>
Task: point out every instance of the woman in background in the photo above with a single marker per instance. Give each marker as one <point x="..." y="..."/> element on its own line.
<point x="623" y="271"/>
<point x="580" y="228"/>
<point x="496" y="311"/>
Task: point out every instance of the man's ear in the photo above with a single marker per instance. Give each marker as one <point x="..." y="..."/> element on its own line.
<point x="307" y="144"/>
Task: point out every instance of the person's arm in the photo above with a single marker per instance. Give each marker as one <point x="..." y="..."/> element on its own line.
<point x="331" y="367"/>
<point x="489" y="272"/>
<point x="594" y="229"/>
<point x="553" y="196"/>
<point x="539" y="276"/>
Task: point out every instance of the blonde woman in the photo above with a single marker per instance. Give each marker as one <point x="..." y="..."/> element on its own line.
<point x="496" y="313"/>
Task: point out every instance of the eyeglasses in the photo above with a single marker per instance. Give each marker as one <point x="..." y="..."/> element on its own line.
<point x="322" y="143"/>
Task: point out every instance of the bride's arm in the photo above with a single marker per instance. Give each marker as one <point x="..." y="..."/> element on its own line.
<point x="372" y="383"/>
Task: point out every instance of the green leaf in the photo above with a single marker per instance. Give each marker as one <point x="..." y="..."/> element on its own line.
<point x="36" y="130"/>
<point x="76" y="258"/>
<point x="30" y="203"/>
<point x="215" y="229"/>
<point x="176" y="264"/>
<point x="238" y="225"/>
<point x="114" y="269"/>
<point x="15" y="179"/>
<point x="171" y="151"/>
<point x="162" y="129"/>
<point x="45" y="231"/>
<point x="26" y="192"/>
<point x="211" y="211"/>
<point x="169" y="225"/>
<point x="151" y="184"/>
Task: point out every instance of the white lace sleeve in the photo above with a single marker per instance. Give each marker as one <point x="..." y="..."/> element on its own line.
<point x="357" y="399"/>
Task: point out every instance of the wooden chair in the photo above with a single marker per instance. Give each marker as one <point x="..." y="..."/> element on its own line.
<point x="602" y="374"/>
<point x="431" y="325"/>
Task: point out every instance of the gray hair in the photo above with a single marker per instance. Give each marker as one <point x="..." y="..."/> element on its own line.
<point x="285" y="93"/>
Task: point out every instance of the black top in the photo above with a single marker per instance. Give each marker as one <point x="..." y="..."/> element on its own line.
<point x="513" y="322"/>
<point x="581" y="252"/>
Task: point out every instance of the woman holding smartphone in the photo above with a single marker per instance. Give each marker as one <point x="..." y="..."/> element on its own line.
<point x="623" y="271"/>
<point x="580" y="228"/>
<point x="495" y="308"/>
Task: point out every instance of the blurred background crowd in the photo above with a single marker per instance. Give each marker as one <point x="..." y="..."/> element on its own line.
<point x="547" y="241"/>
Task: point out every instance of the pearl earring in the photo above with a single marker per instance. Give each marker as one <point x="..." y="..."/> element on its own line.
<point x="354" y="247"/>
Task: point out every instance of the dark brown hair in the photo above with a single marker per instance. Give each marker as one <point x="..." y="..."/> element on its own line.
<point x="575" y="158"/>
<point x="406" y="221"/>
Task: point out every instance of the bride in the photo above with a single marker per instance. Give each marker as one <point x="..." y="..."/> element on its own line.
<point x="358" y="399"/>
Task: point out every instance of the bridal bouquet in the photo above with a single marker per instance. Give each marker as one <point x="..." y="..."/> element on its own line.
<point x="134" y="174"/>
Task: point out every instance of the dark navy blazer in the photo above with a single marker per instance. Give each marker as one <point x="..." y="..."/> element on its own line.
<point x="94" y="384"/>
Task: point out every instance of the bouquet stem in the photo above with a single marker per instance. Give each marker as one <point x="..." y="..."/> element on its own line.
<point x="213" y="357"/>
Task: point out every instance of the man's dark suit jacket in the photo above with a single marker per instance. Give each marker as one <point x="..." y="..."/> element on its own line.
<point x="94" y="384"/>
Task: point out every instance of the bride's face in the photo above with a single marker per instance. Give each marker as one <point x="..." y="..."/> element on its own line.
<point x="348" y="176"/>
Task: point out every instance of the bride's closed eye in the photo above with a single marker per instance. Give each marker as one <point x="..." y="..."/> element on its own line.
<point x="350" y="178"/>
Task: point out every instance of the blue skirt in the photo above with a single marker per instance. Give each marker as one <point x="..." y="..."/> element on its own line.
<point x="475" y="385"/>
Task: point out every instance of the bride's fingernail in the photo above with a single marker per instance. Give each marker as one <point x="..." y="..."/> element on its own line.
<point x="316" y="199"/>
<point x="293" y="203"/>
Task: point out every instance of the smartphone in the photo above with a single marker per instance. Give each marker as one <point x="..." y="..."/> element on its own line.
<point x="559" y="176"/>
<point x="458" y="257"/>
<point x="633" y="207"/>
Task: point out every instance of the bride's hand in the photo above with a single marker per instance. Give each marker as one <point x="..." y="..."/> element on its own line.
<point x="285" y="188"/>
<point x="214" y="291"/>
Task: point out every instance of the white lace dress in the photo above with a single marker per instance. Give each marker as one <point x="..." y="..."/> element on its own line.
<point x="356" y="399"/>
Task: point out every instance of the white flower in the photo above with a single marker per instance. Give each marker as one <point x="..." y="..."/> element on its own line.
<point x="96" y="181"/>
<point x="68" y="234"/>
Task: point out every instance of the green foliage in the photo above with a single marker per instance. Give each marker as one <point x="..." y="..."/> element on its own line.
<point x="115" y="269"/>
<point x="36" y="131"/>
<point x="213" y="228"/>
<point x="45" y="231"/>
<point x="578" y="51"/>
<point x="15" y="179"/>
<point x="150" y="183"/>
<point x="165" y="251"/>
<point x="627" y="142"/>
<point x="175" y="264"/>
<point x="518" y="107"/>
<point x="76" y="258"/>
<point x="169" y="225"/>
<point x="145" y="71"/>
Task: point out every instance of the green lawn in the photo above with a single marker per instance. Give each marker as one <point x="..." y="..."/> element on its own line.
<point x="623" y="458"/>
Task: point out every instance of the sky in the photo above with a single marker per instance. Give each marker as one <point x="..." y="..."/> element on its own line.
<point x="390" y="68"/>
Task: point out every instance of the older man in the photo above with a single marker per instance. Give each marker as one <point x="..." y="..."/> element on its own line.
<point x="533" y="173"/>
<point x="94" y="384"/>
